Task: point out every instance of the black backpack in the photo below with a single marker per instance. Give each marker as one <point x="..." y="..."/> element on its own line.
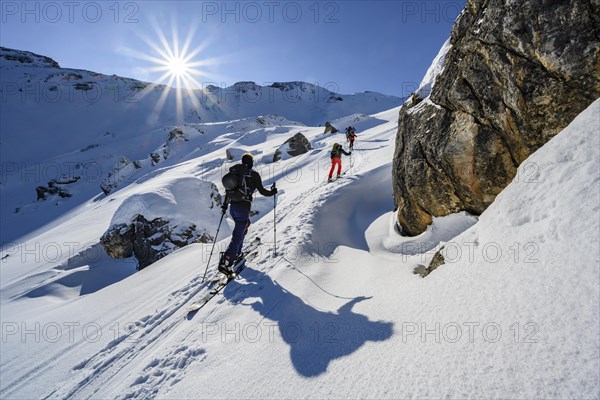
<point x="236" y="183"/>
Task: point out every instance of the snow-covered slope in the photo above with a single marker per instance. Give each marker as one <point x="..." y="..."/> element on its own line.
<point x="339" y="312"/>
<point x="65" y="125"/>
<point x="48" y="104"/>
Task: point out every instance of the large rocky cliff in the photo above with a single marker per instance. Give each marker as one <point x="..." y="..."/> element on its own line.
<point x="517" y="72"/>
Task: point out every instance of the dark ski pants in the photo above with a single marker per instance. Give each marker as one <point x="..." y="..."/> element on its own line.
<point x="240" y="212"/>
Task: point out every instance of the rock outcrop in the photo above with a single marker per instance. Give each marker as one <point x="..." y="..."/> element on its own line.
<point x="149" y="241"/>
<point x="27" y="57"/>
<point x="516" y="74"/>
<point x="234" y="153"/>
<point x="169" y="215"/>
<point x="177" y="135"/>
<point x="56" y="187"/>
<point x="330" y="128"/>
<point x="294" y="146"/>
<point x="120" y="171"/>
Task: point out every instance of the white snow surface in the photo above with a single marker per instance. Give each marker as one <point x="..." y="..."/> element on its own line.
<point x="182" y="201"/>
<point x="338" y="312"/>
<point x="436" y="68"/>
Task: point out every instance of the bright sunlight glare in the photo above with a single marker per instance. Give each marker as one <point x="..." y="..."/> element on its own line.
<point x="178" y="66"/>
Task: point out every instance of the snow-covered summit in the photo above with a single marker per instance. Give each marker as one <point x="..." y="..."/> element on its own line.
<point x="62" y="109"/>
<point x="19" y="58"/>
<point x="300" y="101"/>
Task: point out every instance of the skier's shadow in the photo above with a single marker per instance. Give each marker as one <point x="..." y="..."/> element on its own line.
<point x="315" y="337"/>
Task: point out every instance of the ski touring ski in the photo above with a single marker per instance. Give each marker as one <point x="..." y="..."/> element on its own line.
<point x="221" y="284"/>
<point x="333" y="179"/>
<point x="217" y="285"/>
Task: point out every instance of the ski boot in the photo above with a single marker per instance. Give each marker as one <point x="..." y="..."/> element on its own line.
<point x="225" y="265"/>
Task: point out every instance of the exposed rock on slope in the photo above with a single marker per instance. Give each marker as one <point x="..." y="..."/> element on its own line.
<point x="330" y="128"/>
<point x="173" y="214"/>
<point x="149" y="241"/>
<point x="294" y="146"/>
<point x="516" y="74"/>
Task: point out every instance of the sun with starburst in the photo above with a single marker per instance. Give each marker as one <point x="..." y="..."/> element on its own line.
<point x="179" y="66"/>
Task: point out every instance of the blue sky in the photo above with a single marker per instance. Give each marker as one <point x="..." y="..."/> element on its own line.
<point x="351" y="46"/>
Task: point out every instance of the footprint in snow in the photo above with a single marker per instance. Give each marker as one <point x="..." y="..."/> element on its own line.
<point x="164" y="372"/>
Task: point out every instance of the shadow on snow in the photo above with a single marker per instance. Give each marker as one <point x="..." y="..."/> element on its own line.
<point x="85" y="273"/>
<point x="315" y="337"/>
<point x="345" y="216"/>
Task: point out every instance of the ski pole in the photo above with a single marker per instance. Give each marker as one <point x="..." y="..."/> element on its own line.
<point x="274" y="222"/>
<point x="224" y="208"/>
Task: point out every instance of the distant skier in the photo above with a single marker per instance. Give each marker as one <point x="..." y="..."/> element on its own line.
<point x="348" y="130"/>
<point x="351" y="138"/>
<point x="240" y="199"/>
<point x="336" y="159"/>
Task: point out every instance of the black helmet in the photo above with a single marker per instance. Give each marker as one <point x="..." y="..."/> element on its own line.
<point x="248" y="160"/>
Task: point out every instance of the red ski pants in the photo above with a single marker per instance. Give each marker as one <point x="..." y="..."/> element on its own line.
<point x="334" y="162"/>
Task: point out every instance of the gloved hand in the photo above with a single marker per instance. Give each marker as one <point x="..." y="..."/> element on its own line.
<point x="350" y="153"/>
<point x="273" y="190"/>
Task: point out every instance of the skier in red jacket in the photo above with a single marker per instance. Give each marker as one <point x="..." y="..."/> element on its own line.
<point x="352" y="138"/>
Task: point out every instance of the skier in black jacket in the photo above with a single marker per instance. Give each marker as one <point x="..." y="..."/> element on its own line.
<point x="241" y="202"/>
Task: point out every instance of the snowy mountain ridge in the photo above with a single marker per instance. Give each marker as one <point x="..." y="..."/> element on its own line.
<point x="87" y="133"/>
<point x="30" y="77"/>
<point x="27" y="57"/>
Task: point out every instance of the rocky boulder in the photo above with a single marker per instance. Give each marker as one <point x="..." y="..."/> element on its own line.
<point x="162" y="218"/>
<point x="294" y="146"/>
<point x="177" y="135"/>
<point x="234" y="153"/>
<point x="330" y="128"/>
<point x="149" y="241"/>
<point x="516" y="73"/>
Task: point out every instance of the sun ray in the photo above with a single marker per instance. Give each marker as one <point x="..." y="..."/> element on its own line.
<point x="194" y="99"/>
<point x="176" y="60"/>
<point x="163" y="54"/>
<point x="139" y="55"/>
<point x="196" y="51"/>
<point x="163" y="97"/>
<point x="189" y="38"/>
<point x="175" y="37"/>
<point x="162" y="39"/>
